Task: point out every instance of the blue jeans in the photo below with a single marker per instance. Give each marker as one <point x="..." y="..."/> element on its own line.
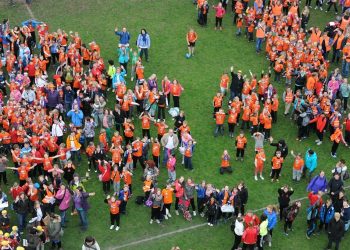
<point x="232" y="95"/>
<point x="259" y="42"/>
<point x="165" y="155"/>
<point x="83" y="218"/>
<point x="188" y="163"/>
<point x="63" y="217"/>
<point x="21" y="221"/>
<point x="345" y="68"/>
<point x="75" y="154"/>
<point x="311" y="228"/>
<point x="219" y="128"/>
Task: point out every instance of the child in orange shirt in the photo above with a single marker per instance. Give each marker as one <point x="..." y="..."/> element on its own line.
<point x="259" y="161"/>
<point x="90" y="153"/>
<point x="298" y="166"/>
<point x="217" y="103"/>
<point x="276" y="163"/>
<point x="241" y="143"/>
<point x="220" y="118"/>
<point x="239" y="24"/>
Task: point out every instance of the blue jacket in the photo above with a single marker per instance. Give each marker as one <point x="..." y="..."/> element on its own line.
<point x="311" y="161"/>
<point x="124" y="37"/>
<point x="326" y="218"/>
<point x="123" y="55"/>
<point x="143" y="41"/>
<point x="76" y="118"/>
<point x="271" y="218"/>
<point x="200" y="192"/>
<point x="121" y="195"/>
<point x="118" y="78"/>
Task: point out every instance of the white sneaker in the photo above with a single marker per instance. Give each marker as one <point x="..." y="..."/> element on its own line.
<point x="261" y="177"/>
<point x="315" y="7"/>
<point x="334" y="155"/>
<point x="270" y="244"/>
<point x="169" y="215"/>
<point x="208" y="224"/>
<point x="158" y="221"/>
<point x="111" y="227"/>
<point x="95" y="171"/>
<point x="194" y="213"/>
<point x="321" y="8"/>
<point x="117" y="228"/>
<point x="319" y="143"/>
<point x="176" y="212"/>
<point x="202" y="215"/>
<point x="317" y="140"/>
<point x="211" y="225"/>
<point x="165" y="217"/>
<point x="255" y="177"/>
<point x="151" y="221"/>
<point x="89" y="170"/>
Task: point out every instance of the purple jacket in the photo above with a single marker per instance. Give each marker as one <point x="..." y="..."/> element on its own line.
<point x="317" y="184"/>
<point x="80" y="201"/>
<point x="65" y="197"/>
<point x="52" y="98"/>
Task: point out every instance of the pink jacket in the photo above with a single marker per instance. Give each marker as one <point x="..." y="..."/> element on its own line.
<point x="220" y="12"/>
<point x="179" y="189"/>
<point x="333" y="86"/>
<point x="65" y="197"/>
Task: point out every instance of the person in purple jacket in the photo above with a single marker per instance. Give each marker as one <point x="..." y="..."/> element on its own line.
<point x="318" y="183"/>
<point x="64" y="198"/>
<point x="82" y="206"/>
<point x="52" y="97"/>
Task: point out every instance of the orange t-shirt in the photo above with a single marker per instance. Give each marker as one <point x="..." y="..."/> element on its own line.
<point x="277" y="162"/>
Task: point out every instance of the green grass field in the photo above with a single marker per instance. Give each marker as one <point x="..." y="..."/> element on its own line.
<point x="167" y="23"/>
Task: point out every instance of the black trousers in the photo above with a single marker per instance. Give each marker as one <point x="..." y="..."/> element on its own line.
<point x="155" y="213"/>
<point x="240" y="152"/>
<point x="193" y="206"/>
<point x="248" y="246"/>
<point x="238" y="240"/>
<point x="330" y="242"/>
<point x="334" y="5"/>
<point x="140" y="159"/>
<point x="144" y="51"/>
<point x="218" y="21"/>
<point x="275" y="173"/>
<point x="161" y="112"/>
<point x="335" y="147"/>
<point x="319" y="135"/>
<point x="3" y="177"/>
<point x="176" y="100"/>
<point x="106" y="186"/>
<point x="287" y="225"/>
<point x="231" y="127"/>
<point x="308" y="3"/>
<point x="200" y="204"/>
<point x="115" y="219"/>
<point x="125" y="65"/>
<point x="146" y="132"/>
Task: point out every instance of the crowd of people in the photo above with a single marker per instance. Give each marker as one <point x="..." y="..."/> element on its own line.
<point x="55" y="94"/>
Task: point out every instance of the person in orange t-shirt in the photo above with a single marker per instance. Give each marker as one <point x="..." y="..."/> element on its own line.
<point x="267" y="124"/>
<point x="274" y="108"/>
<point x="232" y="121"/>
<point x="145" y="124"/>
<point x="167" y="194"/>
<point x="276" y="163"/>
<point x="191" y="39"/>
<point x="217" y="103"/>
<point x="298" y="166"/>
<point x="90" y="149"/>
<point x="241" y="143"/>
<point x="155" y="151"/>
<point x="225" y="163"/>
<point x="259" y="161"/>
<point x="219" y="118"/>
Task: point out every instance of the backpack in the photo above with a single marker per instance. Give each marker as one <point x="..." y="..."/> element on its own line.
<point x="139" y="200"/>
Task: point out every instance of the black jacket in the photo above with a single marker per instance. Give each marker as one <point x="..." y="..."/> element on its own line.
<point x="21" y="206"/>
<point x="282" y="147"/>
<point x="118" y="117"/>
<point x="284" y="197"/>
<point x="243" y="195"/>
<point x="335" y="229"/>
<point x="236" y="83"/>
<point x="335" y="186"/>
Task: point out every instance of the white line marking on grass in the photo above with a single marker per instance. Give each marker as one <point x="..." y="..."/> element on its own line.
<point x="31" y="14"/>
<point x="137" y="242"/>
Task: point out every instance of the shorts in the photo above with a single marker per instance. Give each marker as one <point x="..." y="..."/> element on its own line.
<point x="259" y="168"/>
<point x="192" y="44"/>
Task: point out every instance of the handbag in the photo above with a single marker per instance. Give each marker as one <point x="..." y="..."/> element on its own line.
<point x="149" y="202"/>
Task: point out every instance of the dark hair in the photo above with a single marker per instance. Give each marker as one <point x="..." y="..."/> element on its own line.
<point x="143" y="29"/>
<point x="111" y="62"/>
<point x="311" y="152"/>
<point x="263" y="217"/>
<point x="89" y="239"/>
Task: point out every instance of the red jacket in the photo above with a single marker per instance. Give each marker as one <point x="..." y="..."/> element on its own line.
<point x="254" y="219"/>
<point x="313" y="198"/>
<point x="179" y="189"/>
<point x="250" y="235"/>
<point x="321" y="122"/>
<point x="105" y="173"/>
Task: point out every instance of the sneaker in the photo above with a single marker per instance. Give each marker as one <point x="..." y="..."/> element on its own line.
<point x="202" y="215"/>
<point x="307" y="237"/>
<point x="165" y="217"/>
<point x="315" y="7"/>
<point x="158" y="221"/>
<point x="194" y="213"/>
<point x="89" y="170"/>
<point x="241" y="159"/>
<point x="211" y="225"/>
<point x="334" y="155"/>
<point x="270" y="244"/>
<point x="261" y="177"/>
<point x="286" y="234"/>
<point x="321" y="8"/>
<point x="256" y="177"/>
<point x="151" y="221"/>
<point x="95" y="171"/>
<point x="169" y="215"/>
<point x="317" y="140"/>
<point x="277" y="180"/>
<point x="117" y="228"/>
<point x="176" y="212"/>
<point x="111" y="227"/>
<point x="272" y="180"/>
<point x="208" y="224"/>
<point x="319" y="143"/>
